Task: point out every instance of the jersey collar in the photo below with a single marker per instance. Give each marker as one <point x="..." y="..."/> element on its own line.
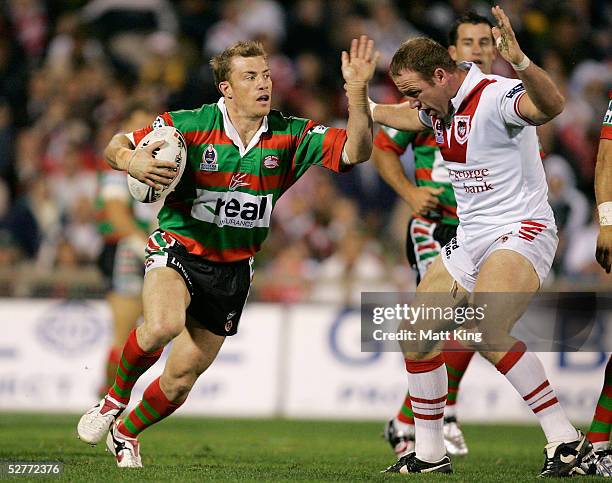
<point x="232" y="133"/>
<point x="473" y="77"/>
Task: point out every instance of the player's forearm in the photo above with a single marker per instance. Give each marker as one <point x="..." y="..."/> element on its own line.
<point x="543" y="92"/>
<point x="603" y="172"/>
<point x="398" y="116"/>
<point x="390" y="169"/>
<point x="118" y="152"/>
<point x="358" y="147"/>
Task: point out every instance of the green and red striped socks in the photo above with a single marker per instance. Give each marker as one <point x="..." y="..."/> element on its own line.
<point x="134" y="362"/>
<point x="456" y="364"/>
<point x="154" y="407"/>
<point x="405" y="415"/>
<point x="599" y="432"/>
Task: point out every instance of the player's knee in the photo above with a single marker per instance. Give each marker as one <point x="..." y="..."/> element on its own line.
<point x="161" y="328"/>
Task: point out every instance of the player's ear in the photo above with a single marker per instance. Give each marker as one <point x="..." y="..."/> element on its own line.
<point x="439" y="75"/>
<point x="226" y="89"/>
<point x="452" y="51"/>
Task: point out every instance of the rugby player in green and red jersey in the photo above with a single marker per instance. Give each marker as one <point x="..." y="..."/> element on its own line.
<point x="434" y="219"/>
<point x="241" y="158"/>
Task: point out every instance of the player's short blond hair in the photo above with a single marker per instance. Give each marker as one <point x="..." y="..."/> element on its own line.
<point x="221" y="64"/>
<point x="422" y="55"/>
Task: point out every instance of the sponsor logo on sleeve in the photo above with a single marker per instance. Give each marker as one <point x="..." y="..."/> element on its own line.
<point x="159" y="122"/>
<point x="209" y="159"/>
<point x="438" y="131"/>
<point x="608" y="116"/>
<point x="515" y="90"/>
<point x="319" y="129"/>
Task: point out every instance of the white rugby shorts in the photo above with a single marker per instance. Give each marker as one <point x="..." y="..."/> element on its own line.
<point x="535" y="240"/>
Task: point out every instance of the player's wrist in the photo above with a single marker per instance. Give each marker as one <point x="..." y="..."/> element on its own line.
<point x="605" y="213"/>
<point x="357" y="92"/>
<point x="410" y="197"/>
<point x="522" y="64"/>
<point x="124" y="158"/>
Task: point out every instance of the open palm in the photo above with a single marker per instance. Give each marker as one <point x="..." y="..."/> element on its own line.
<point x="359" y="65"/>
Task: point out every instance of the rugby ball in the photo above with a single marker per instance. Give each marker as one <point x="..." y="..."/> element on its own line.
<point x="175" y="149"/>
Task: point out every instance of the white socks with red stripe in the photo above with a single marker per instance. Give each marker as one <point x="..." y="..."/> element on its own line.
<point x="526" y="373"/>
<point x="428" y="386"/>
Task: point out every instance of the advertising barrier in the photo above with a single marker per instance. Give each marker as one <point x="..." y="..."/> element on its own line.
<point x="299" y="361"/>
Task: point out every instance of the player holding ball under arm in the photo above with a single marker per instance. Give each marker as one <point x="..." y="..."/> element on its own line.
<point x="506" y="240"/>
<point x="241" y="157"/>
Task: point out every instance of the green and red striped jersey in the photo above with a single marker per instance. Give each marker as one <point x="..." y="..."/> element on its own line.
<point x="222" y="206"/>
<point x="429" y="167"/>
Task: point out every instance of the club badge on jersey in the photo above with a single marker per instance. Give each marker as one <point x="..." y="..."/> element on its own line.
<point x="462" y="128"/>
<point x="271" y="162"/>
<point x="209" y="159"/>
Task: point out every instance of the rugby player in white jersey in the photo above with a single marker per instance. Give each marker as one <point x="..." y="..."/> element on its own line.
<point x="506" y="240"/>
<point x="470" y="39"/>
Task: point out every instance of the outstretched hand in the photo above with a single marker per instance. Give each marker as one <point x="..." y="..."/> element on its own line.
<point x="505" y="40"/>
<point x="359" y="65"/>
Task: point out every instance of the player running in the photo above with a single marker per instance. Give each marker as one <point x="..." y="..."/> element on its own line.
<point x="242" y="157"/>
<point x="599" y="432"/>
<point x="434" y="220"/>
<point x="506" y="239"/>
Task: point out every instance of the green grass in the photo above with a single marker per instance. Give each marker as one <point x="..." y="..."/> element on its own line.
<point x="197" y="449"/>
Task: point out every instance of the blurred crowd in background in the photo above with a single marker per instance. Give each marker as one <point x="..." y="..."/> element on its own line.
<point x="70" y="71"/>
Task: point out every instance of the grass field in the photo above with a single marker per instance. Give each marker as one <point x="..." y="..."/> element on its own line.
<point x="198" y="449"/>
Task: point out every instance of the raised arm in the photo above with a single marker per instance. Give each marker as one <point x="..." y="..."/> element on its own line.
<point x="357" y="69"/>
<point x="398" y="116"/>
<point x="543" y="101"/>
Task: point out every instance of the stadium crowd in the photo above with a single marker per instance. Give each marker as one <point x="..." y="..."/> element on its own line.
<point x="70" y="70"/>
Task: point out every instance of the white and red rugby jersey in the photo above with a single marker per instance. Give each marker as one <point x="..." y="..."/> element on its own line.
<point x="492" y="155"/>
